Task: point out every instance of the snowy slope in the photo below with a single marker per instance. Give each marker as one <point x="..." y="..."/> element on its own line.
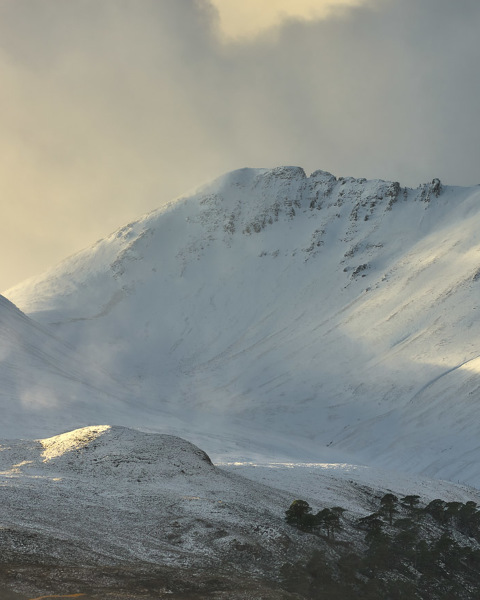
<point x="112" y="495"/>
<point x="331" y="314"/>
<point x="46" y="384"/>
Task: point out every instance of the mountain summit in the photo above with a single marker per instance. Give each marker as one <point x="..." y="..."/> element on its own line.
<point x="279" y="309"/>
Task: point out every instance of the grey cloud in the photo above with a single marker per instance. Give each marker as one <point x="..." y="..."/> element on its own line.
<point x="109" y="109"/>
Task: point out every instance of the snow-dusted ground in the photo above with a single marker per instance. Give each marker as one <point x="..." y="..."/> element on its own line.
<point x="110" y="495"/>
<point x="272" y="316"/>
<point x="329" y="484"/>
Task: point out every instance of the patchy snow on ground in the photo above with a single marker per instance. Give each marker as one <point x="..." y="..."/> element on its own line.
<point x="356" y="488"/>
<point x="106" y="495"/>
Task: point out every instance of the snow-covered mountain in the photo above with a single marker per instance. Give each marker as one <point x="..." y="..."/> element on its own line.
<point x="309" y="314"/>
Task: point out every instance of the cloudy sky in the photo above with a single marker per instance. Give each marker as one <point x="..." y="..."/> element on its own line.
<point x="110" y="108"/>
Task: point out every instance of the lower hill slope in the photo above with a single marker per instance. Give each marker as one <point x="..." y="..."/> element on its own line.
<point x="111" y="512"/>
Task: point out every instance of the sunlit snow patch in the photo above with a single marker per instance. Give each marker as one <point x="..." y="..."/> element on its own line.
<point x="73" y="440"/>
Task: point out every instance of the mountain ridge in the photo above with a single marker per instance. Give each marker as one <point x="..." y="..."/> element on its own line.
<point x="322" y="184"/>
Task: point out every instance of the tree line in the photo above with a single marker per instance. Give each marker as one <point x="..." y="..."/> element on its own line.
<point x="409" y="551"/>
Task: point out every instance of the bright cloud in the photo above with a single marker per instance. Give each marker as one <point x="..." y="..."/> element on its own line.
<point x="248" y="18"/>
<point x="110" y="109"/>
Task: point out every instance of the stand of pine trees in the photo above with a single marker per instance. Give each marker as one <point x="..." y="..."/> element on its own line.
<point x="409" y="552"/>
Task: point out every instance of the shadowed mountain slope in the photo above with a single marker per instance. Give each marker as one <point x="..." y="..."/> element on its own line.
<point x="45" y="383"/>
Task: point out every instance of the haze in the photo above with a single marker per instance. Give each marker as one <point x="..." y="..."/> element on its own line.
<point x="110" y="109"/>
